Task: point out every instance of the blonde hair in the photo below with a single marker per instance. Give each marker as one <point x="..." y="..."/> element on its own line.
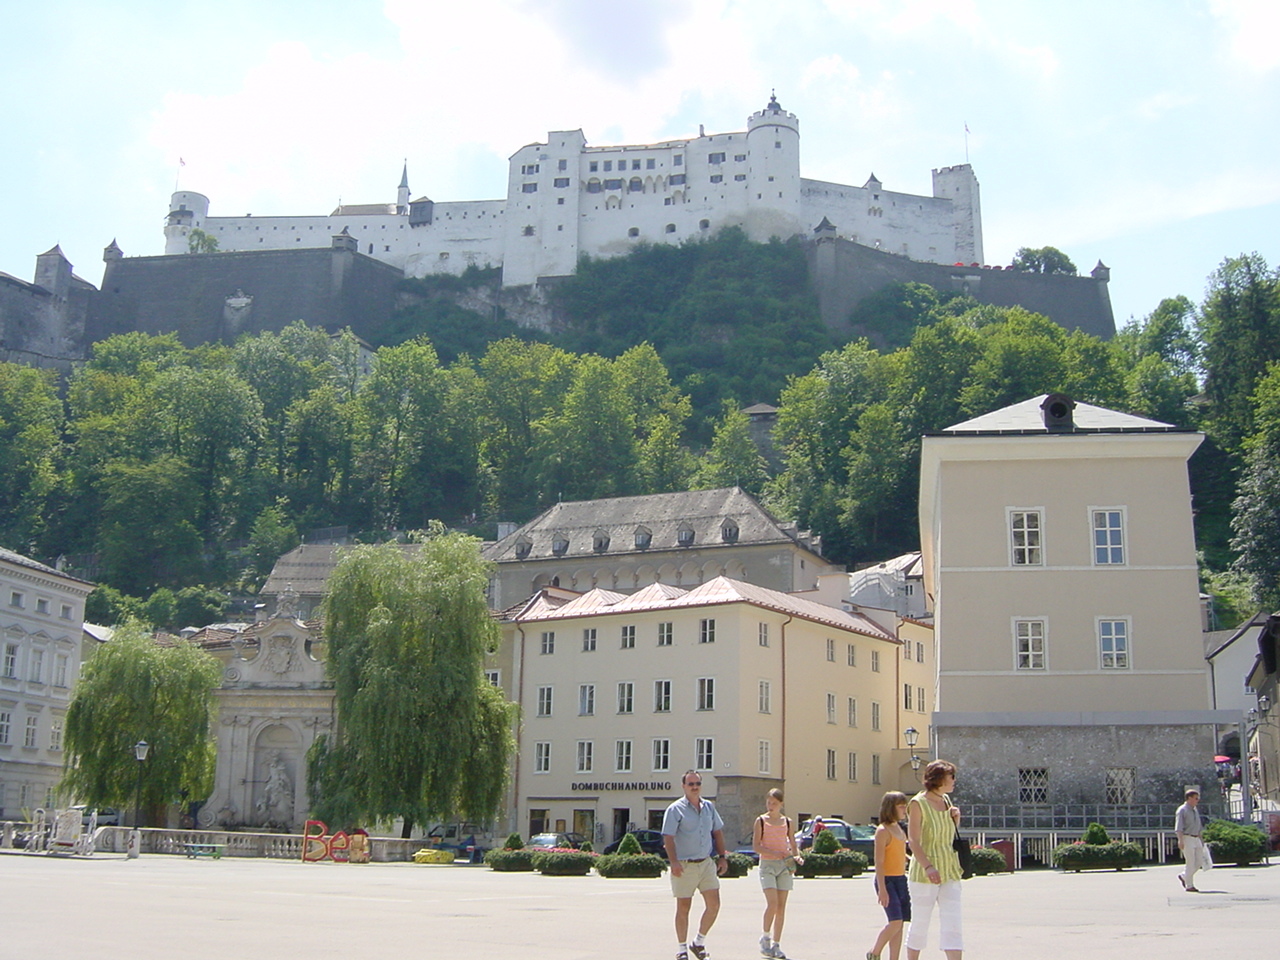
<point x="889" y="804"/>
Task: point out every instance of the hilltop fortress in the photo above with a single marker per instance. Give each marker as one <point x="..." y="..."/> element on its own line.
<point x="566" y="199"/>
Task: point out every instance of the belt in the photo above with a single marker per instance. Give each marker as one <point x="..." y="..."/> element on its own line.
<point x="1194" y="836"/>
<point x="699" y="860"/>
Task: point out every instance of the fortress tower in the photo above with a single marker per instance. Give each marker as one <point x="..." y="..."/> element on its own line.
<point x="187" y="211"/>
<point x="773" y="201"/>
<point x="959" y="185"/>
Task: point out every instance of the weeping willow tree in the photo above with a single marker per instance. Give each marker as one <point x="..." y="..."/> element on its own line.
<point x="421" y="733"/>
<point x="135" y="689"/>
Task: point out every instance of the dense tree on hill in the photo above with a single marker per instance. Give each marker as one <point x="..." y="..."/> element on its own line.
<point x="890" y="316"/>
<point x="30" y="445"/>
<point x="1048" y="260"/>
<point x="734" y="460"/>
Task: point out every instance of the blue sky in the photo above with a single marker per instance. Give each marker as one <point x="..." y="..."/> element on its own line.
<point x="1143" y="133"/>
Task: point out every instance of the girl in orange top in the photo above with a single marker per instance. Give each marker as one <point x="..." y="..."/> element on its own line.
<point x="891" y="874"/>
<point x="775" y="841"/>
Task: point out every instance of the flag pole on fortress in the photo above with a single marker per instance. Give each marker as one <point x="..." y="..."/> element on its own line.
<point x="966" y="141"/>
<point x="178" y="176"/>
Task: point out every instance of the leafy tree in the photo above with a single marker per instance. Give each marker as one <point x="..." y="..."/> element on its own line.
<point x="422" y="735"/>
<point x="30" y="447"/>
<point x="1255" y="526"/>
<point x="734" y="460"/>
<point x="135" y="689"/>
<point x="161" y="609"/>
<point x="1047" y="260"/>
<point x="198" y="241"/>
<point x="1168" y="332"/>
<point x="108" y="606"/>
<point x="273" y="534"/>
<point x="148" y="531"/>
<point x="198" y="606"/>
<point x="890" y="316"/>
<point x="874" y="499"/>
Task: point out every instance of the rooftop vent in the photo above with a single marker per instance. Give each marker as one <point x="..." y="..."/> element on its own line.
<point x="1056" y="411"/>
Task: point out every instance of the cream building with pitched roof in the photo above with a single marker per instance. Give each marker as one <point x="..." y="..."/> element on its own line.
<point x="620" y="694"/>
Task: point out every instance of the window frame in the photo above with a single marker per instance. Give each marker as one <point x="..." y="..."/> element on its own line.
<point x="586" y="759"/>
<point x="1030" y="652"/>
<point x="546" y="700"/>
<point x="706" y="694"/>
<point x="626" y="697"/>
<point x="661" y="696"/>
<point x="764" y="702"/>
<point x="704" y="754"/>
<point x="1120" y="530"/>
<point x="660" y="751"/>
<point x="1127" y="640"/>
<point x="1011" y="514"/>
<point x="586" y="699"/>
<point x="542" y="756"/>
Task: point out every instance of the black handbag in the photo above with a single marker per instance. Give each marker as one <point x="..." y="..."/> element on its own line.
<point x="963" y="852"/>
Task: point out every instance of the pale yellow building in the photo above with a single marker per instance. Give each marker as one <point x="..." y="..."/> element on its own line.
<point x="1060" y="558"/>
<point x="755" y="688"/>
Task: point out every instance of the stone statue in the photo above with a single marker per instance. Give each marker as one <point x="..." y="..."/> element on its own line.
<point x="276" y="805"/>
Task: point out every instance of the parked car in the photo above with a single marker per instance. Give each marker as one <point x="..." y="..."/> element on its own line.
<point x="461" y="838"/>
<point x="650" y="842"/>
<point x="842" y="829"/>
<point x="549" y="841"/>
<point x="106" y="816"/>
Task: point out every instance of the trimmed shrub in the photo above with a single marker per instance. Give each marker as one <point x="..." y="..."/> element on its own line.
<point x="586" y="845"/>
<point x="1115" y="855"/>
<point x="739" y="865"/>
<point x="824" y="841"/>
<point x="514" y="842"/>
<point x="1236" y="843"/>
<point x="509" y="860"/>
<point x="986" y="860"/>
<point x="630" y="865"/>
<point x="842" y="863"/>
<point x="432" y="855"/>
<point x="563" y="862"/>
<point x="1096" y="834"/>
<point x="629" y="845"/>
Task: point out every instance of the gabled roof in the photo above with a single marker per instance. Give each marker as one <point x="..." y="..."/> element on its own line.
<point x="662" y="514"/>
<point x="19" y="560"/>
<point x="719" y="591"/>
<point x="1026" y="417"/>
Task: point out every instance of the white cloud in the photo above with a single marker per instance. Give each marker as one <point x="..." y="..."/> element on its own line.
<point x="1254" y="31"/>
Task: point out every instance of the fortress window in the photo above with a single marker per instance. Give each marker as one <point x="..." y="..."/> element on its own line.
<point x="715" y="158"/>
<point x="562" y="181"/>
<point x="633" y="232"/>
<point x="635" y="164"/>
<point x="704" y="224"/>
<point x="716" y="178"/>
<point x="671" y="228"/>
<point x="739" y="157"/>
<point x="678" y="160"/>
<point x="593" y="185"/>
<point x="371" y="249"/>
<point x="593" y="166"/>
<point x="564" y="165"/>
<point x="608" y="165"/>
<point x="528" y="231"/>
<point x="649" y="164"/>
<point x="777" y="144"/>
<point x="742" y="176"/>
<point x="529" y="188"/>
<point x="635" y="186"/>
<point x="613" y="184"/>
<point x="676" y="179"/>
<point x="771" y="179"/>
<point x="666" y="201"/>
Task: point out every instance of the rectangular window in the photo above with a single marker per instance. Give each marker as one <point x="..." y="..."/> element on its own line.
<point x="875" y="715"/>
<point x="622" y="756"/>
<point x="562" y="165"/>
<point x="919" y="651"/>
<point x="716" y="178"/>
<point x="766" y="697"/>
<point x="665" y="634"/>
<point x="608" y="165"/>
<point x="589" y="640"/>
<point x="906" y="651"/>
<point x="831" y="764"/>
<point x="853" y="768"/>
<point x="831" y="650"/>
<point x="920" y="699"/>
<point x="6" y="720"/>
<point x="704" y="754"/>
<point x="613" y="184"/>
<point x="676" y="180"/>
<point x="37" y="666"/>
<point x="16" y="600"/>
<point x="586" y="756"/>
<point x="1108" y="536"/>
<point x="853" y="711"/>
<point x="55" y="735"/>
<point x="1113" y="644"/>
<point x="875" y="768"/>
<point x="851" y="655"/>
<point x="494" y="677"/>
<point x="42" y="605"/>
<point x="661" y="755"/>
<point x="545" y="701"/>
<point x="11" y="660"/>
<point x="677" y="160"/>
<point x="662" y="696"/>
<point x="1120" y="782"/>
<point x="593" y="166"/>
<point x="528" y="169"/>
<point x="33" y="725"/>
<point x="60" y="670"/>
<point x="529" y="188"/>
<point x="875" y="661"/>
<point x="561" y="182"/>
<point x="649" y="164"/>
<point x="831" y="708"/>
<point x="65" y="611"/>
<point x="763" y="631"/>
<point x="715" y="158"/>
<point x="629" y="637"/>
<point x="739" y="157"/>
<point x="626" y="696"/>
<point x="706" y="693"/>
<point x="1024" y="530"/>
<point x="1033" y="785"/>
<point x="764" y="756"/>
<point x="739" y="177"/>
<point x="906" y="697"/>
<point x="548" y="642"/>
<point x="587" y="700"/>
<point x="542" y="757"/>
<point x="707" y="631"/>
<point x="1029" y="640"/>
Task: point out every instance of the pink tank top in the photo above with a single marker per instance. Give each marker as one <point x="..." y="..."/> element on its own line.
<point x="775" y="843"/>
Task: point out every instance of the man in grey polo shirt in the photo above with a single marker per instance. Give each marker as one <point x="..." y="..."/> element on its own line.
<point x="693" y="835"/>
<point x="1186" y="825"/>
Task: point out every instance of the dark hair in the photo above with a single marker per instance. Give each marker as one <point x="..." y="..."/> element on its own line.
<point x="889" y="806"/>
<point x="936" y="772"/>
<point x="684" y="777"/>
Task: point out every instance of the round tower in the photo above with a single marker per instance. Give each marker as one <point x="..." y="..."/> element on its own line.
<point x="188" y="210"/>
<point x="773" y="146"/>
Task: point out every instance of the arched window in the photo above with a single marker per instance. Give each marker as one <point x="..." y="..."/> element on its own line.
<point x="704" y="224"/>
<point x="633" y="232"/>
<point x="635" y="185"/>
<point x="671" y="228"/>
<point x="594" y="185"/>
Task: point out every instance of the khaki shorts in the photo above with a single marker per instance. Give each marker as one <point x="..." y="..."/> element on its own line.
<point x="696" y="876"/>
<point x="777" y="874"/>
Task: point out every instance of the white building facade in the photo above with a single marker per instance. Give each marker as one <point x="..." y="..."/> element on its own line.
<point x="566" y="199"/>
<point x="41" y="629"/>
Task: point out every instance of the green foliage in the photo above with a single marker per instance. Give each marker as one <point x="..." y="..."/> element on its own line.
<point x="739" y="865"/>
<point x="454" y="330"/>
<point x="987" y="861"/>
<point x="633" y="865"/>
<point x="272" y="535"/>
<point x="734" y="460"/>
<point x="1115" y="855"/>
<point x="30" y="437"/>
<point x="824" y="842"/>
<point x="514" y="842"/>
<point x="108" y="606"/>
<point x="889" y="317"/>
<point x="424" y="736"/>
<point x="1048" y="260"/>
<point x="510" y="859"/>
<point x="134" y="689"/>
<point x="842" y="863"/>
<point x="1236" y="843"/>
<point x="629" y="845"/>
<point x="1095" y="833"/>
<point x="563" y="863"/>
<point x="198" y="241"/>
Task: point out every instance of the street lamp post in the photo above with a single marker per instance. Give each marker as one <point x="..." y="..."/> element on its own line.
<point x="912" y="736"/>
<point x="140" y="750"/>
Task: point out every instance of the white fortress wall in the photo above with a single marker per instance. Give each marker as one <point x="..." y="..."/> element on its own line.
<point x="922" y="228"/>
<point x="461" y="234"/>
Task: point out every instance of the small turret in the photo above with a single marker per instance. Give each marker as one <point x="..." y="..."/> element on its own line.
<point x="345" y="241"/>
<point x="1101" y="273"/>
<point x="402" y="194"/>
<point x="112" y="252"/>
<point x="53" y="272"/>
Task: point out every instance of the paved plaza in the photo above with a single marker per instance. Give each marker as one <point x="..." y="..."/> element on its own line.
<point x="158" y="907"/>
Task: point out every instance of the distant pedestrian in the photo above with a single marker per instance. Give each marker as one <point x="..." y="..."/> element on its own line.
<point x="891" y="874"/>
<point x="693" y="835"/>
<point x="1186" y="824"/>
<point x="774" y="839"/>
<point x="934" y="879"/>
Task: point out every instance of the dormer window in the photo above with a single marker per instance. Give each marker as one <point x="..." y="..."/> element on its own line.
<point x="600" y="542"/>
<point x="522" y="548"/>
<point x="559" y="546"/>
<point x="644" y="537"/>
<point x="684" y="536"/>
<point x="729" y="532"/>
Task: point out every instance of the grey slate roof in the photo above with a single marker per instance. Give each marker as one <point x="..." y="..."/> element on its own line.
<point x="662" y="514"/>
<point x="1025" y="417"/>
<point x="19" y="560"/>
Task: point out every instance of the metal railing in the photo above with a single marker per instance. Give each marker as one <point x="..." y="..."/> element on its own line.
<point x="1067" y="817"/>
